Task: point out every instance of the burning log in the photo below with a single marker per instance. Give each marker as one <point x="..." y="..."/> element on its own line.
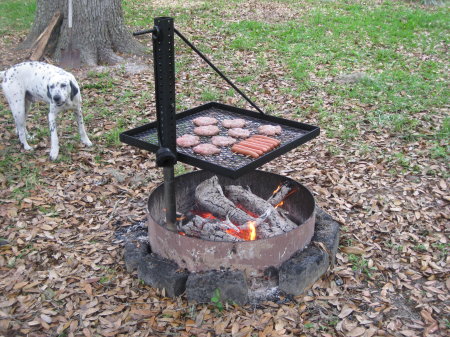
<point x="207" y="229"/>
<point x="281" y="193"/>
<point x="209" y="196"/>
<point x="274" y="224"/>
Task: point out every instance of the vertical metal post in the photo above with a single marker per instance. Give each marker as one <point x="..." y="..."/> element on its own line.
<point x="169" y="198"/>
<point x="164" y="65"/>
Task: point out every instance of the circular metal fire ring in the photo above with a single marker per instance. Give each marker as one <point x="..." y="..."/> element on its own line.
<point x="252" y="257"/>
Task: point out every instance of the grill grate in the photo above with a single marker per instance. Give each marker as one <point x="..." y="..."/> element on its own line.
<point x="227" y="162"/>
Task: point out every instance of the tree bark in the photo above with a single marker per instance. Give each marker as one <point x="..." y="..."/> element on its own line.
<point x="98" y="30"/>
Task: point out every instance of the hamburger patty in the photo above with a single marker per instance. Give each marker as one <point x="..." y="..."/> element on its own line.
<point x="239" y="133"/>
<point x="269" y="130"/>
<point x="222" y="140"/>
<point x="206" y="149"/>
<point x="202" y="121"/>
<point x="188" y="140"/>
<point x="233" y="123"/>
<point x="207" y="130"/>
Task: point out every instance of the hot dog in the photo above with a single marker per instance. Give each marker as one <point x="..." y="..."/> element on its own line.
<point x="260" y="142"/>
<point x="274" y="141"/>
<point x="245" y="151"/>
<point x="262" y="148"/>
<point x="263" y="142"/>
<point x="254" y="148"/>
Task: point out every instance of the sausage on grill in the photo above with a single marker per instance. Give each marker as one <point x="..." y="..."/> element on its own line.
<point x="245" y="151"/>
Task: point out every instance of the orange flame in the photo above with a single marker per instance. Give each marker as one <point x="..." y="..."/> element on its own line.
<point x="252" y="228"/>
<point x="247" y="234"/>
<point x="277" y="189"/>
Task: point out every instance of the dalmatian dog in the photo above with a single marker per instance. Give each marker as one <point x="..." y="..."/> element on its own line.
<point x="28" y="82"/>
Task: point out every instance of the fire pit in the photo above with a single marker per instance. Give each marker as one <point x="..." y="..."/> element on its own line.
<point x="252" y="257"/>
<point x="275" y="254"/>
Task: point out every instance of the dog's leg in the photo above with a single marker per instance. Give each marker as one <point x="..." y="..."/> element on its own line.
<point x="84" y="137"/>
<point x="27" y="110"/>
<point x="54" y="147"/>
<point x="18" y="111"/>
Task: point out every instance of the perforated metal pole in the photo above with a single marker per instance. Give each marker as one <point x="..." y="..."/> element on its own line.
<point x="164" y="65"/>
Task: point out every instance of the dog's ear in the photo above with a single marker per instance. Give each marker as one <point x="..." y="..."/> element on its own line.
<point x="48" y="92"/>
<point x="73" y="90"/>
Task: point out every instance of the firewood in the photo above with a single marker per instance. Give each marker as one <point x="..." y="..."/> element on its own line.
<point x="275" y="222"/>
<point x="282" y="192"/>
<point x="210" y="197"/>
<point x="42" y="41"/>
<point x="208" y="229"/>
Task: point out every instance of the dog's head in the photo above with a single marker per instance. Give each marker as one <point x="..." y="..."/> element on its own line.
<point x="60" y="90"/>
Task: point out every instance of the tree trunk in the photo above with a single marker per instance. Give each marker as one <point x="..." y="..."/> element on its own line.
<point x="98" y="30"/>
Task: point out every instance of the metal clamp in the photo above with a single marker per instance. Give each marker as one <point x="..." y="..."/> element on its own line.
<point x="154" y="31"/>
<point x="165" y="157"/>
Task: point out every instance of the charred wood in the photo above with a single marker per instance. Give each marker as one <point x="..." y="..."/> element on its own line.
<point x="274" y="224"/>
<point x="210" y="197"/>
<point x="208" y="229"/>
<point x="282" y="193"/>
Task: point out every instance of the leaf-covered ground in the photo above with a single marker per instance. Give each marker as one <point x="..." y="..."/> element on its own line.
<point x="387" y="183"/>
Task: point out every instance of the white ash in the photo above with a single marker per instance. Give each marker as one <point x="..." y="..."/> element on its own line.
<point x="135" y="232"/>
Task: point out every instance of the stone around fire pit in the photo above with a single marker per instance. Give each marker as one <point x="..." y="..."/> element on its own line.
<point x="293" y="277"/>
<point x="307" y="266"/>
<point x="200" y="287"/>
<point x="162" y="273"/>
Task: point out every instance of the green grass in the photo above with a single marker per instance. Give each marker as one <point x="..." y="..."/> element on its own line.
<point x="360" y="265"/>
<point x="16" y="15"/>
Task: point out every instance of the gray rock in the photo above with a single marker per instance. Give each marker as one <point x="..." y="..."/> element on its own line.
<point x="163" y="274"/>
<point x="134" y="251"/>
<point x="301" y="271"/>
<point x="232" y="285"/>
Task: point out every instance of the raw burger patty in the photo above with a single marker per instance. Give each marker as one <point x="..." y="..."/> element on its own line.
<point x="206" y="130"/>
<point x="239" y="133"/>
<point x="202" y="121"/>
<point x="206" y="149"/>
<point x="269" y="130"/>
<point x="188" y="140"/>
<point x="222" y="140"/>
<point x="233" y="123"/>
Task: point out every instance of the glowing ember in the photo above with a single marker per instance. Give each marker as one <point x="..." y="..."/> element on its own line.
<point x="204" y="215"/>
<point x="247" y="211"/>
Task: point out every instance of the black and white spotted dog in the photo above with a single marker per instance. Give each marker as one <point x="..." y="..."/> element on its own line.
<point x="27" y="82"/>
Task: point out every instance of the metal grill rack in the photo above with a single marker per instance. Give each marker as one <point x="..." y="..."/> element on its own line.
<point x="227" y="163"/>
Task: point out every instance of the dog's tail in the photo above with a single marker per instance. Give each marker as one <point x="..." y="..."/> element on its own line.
<point x="2" y="75"/>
